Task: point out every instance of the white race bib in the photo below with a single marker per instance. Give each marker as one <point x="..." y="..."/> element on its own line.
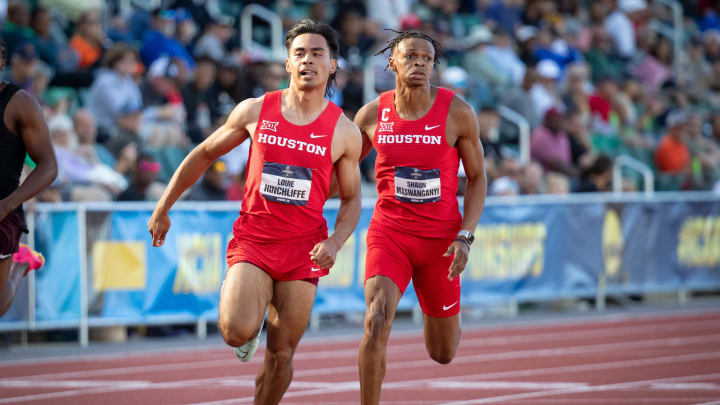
<point x="417" y="186"/>
<point x="285" y="183"/>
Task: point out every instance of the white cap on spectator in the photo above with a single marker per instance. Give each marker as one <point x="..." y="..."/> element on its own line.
<point x="504" y="186"/>
<point x="455" y="76"/>
<point x="163" y="67"/>
<point x="479" y="34"/>
<point x="631" y="6"/>
<point x="60" y="122"/>
<point x="548" y="69"/>
<point x="526" y="32"/>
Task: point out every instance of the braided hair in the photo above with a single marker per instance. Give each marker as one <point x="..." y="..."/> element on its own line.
<point x="393" y="43"/>
<point x="3" y="51"/>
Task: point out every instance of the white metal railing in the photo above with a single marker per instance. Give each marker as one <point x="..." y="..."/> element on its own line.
<point x="675" y="32"/>
<point x="523" y="128"/>
<point x="369" y="93"/>
<point x="277" y="49"/>
<point x="634" y="164"/>
<point x="85" y="321"/>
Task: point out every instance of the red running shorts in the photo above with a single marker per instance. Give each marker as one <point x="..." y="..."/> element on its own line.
<point x="283" y="261"/>
<point x="402" y="257"/>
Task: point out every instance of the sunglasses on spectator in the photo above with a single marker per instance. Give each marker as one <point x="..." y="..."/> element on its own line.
<point x="149" y="166"/>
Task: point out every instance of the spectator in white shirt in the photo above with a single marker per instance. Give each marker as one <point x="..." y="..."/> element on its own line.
<point x="544" y="94"/>
<point x="620" y="26"/>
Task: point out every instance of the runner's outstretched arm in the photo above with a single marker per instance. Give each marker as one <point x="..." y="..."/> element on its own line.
<point x="36" y="137"/>
<point x="348" y="183"/>
<point x="220" y="142"/>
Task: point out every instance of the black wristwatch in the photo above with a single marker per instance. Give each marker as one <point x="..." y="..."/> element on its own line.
<point x="467" y="235"/>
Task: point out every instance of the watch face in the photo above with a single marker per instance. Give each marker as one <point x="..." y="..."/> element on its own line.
<point x="467" y="235"/>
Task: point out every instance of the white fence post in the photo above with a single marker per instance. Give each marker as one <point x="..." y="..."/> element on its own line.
<point x="201" y="329"/>
<point x="523" y="129"/>
<point x="82" y="251"/>
<point x="600" y="298"/>
<point x="626" y="161"/>
<point x="31" y="276"/>
<point x="277" y="49"/>
<point x="675" y="33"/>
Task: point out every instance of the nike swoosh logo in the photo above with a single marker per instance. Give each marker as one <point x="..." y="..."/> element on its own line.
<point x="446" y="307"/>
<point x="315" y="269"/>
<point x="3" y="257"/>
<point x="313" y="136"/>
<point x="427" y="128"/>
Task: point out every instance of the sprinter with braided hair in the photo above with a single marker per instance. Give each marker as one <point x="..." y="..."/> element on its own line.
<point x="420" y="133"/>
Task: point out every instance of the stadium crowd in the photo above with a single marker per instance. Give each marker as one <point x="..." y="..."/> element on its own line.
<point x="128" y="87"/>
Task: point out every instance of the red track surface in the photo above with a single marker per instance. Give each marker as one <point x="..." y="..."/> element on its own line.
<point x="657" y="359"/>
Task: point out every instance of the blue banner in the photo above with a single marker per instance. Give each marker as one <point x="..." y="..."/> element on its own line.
<point x="529" y="252"/>
<point x="57" y="283"/>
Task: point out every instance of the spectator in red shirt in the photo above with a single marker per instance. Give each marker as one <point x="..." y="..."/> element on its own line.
<point x="672" y="155"/>
<point x="601" y="103"/>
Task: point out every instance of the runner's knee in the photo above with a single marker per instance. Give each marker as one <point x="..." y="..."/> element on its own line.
<point x="377" y="322"/>
<point x="443" y="349"/>
<point x="442" y="354"/>
<point x="280" y="358"/>
<point x="236" y="334"/>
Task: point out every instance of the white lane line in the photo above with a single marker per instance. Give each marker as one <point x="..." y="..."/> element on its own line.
<point x="518" y="354"/>
<point x="335" y="354"/>
<point x="604" y="401"/>
<point x="412" y="384"/>
<point x="685" y="386"/>
<point x="346" y="386"/>
<point x="410" y="364"/>
<point x="499" y="385"/>
<point x="64" y="394"/>
<point x="572" y="350"/>
<point x="131" y="384"/>
<point x="595" y="323"/>
<point x="594" y="388"/>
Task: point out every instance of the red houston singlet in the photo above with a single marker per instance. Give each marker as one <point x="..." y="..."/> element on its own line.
<point x="288" y="176"/>
<point x="416" y="171"/>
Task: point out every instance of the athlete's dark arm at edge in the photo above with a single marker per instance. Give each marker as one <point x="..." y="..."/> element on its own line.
<point x="347" y="173"/>
<point x="220" y="142"/>
<point x="463" y="118"/>
<point x="30" y="124"/>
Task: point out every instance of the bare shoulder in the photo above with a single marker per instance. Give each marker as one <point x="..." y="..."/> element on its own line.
<point x="23" y="104"/>
<point x="246" y="112"/>
<point x="367" y="115"/>
<point x="462" y="121"/>
<point x="346" y="140"/>
<point x="346" y="128"/>
<point x="460" y="110"/>
<point x="347" y="134"/>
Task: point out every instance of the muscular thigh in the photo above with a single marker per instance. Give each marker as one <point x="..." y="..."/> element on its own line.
<point x="441" y="332"/>
<point x="245" y="294"/>
<point x="438" y="296"/>
<point x="387" y="258"/>
<point x="289" y="313"/>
